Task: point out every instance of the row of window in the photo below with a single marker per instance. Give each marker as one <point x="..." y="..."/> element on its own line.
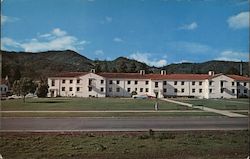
<point x="78" y="89"/>
<point x="3" y="89"/>
<point x="146" y="90"/>
<point x="238" y="83"/>
<point x="146" y="82"/>
<point x="156" y="83"/>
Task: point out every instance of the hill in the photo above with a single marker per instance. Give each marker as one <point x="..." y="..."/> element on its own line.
<point x="44" y="64"/>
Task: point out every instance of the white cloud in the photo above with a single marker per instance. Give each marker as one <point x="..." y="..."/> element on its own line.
<point x="57" y="39"/>
<point x="99" y="52"/>
<point x="239" y="21"/>
<point x="191" y="26"/>
<point x="7" y="19"/>
<point x="58" y="32"/>
<point x="8" y="42"/>
<point x="145" y="57"/>
<point x="183" y="61"/>
<point x="230" y="55"/>
<point x="189" y="47"/>
<point x="117" y="39"/>
<point x="108" y="19"/>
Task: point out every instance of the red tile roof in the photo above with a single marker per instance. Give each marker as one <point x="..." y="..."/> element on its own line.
<point x="239" y="78"/>
<point x="156" y="76"/>
<point x="4" y="81"/>
<point x="70" y="74"/>
<point x="153" y="76"/>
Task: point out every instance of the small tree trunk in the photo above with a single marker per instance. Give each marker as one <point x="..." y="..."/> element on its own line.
<point x="24" y="98"/>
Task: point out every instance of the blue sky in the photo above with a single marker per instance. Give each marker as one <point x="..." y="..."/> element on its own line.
<point x="157" y="32"/>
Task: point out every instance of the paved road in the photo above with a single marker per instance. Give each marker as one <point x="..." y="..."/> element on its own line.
<point x="122" y="124"/>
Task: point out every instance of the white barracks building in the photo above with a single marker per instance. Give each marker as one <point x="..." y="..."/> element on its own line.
<point x="91" y="84"/>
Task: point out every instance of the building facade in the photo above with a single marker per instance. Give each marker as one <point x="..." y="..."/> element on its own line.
<point x="91" y="84"/>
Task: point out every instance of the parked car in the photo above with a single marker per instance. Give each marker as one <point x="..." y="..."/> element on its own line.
<point x="140" y="96"/>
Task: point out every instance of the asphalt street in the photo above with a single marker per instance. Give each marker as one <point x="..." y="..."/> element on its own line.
<point x="37" y="124"/>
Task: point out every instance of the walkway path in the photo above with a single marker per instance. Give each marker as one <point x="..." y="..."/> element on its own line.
<point x="222" y="112"/>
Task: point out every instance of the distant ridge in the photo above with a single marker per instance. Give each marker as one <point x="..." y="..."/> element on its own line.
<point x="43" y="64"/>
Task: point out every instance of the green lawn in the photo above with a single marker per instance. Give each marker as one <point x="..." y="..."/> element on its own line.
<point x="223" y="104"/>
<point x="125" y="145"/>
<point x="87" y="104"/>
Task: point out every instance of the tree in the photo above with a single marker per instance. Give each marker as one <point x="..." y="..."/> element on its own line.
<point x="23" y="87"/>
<point x="97" y="67"/>
<point x="122" y="67"/>
<point x="42" y="89"/>
<point x="105" y="67"/>
<point x="133" y="67"/>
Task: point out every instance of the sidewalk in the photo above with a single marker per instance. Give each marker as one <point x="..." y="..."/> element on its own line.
<point x="222" y="112"/>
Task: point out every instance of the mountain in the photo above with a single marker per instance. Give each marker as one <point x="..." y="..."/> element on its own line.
<point x="43" y="64"/>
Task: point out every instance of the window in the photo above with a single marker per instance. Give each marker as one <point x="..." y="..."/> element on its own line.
<point x="245" y="84"/>
<point x="90" y="82"/>
<point x="182" y="82"/>
<point x="78" y="81"/>
<point x="233" y="91"/>
<point x="165" y="90"/>
<point x="128" y="89"/>
<point x="77" y="89"/>
<point x="129" y="82"/>
<point x="110" y="81"/>
<point x="175" y="82"/>
<point x="53" y="83"/>
<point x="164" y="82"/>
<point x="146" y="90"/>
<point x="90" y="89"/>
<point x="63" y="88"/>
<point x="117" y="89"/>
<point x="102" y="81"/>
<point x="63" y="81"/>
<point x="156" y="84"/>
<point x="200" y="90"/>
<point x="232" y="83"/>
<point x="193" y="83"/>
<point x="135" y="89"/>
<point x="245" y="90"/>
<point x="110" y="89"/>
<point x="102" y="89"/>
<point x="70" y="81"/>
<point x="221" y="83"/>
<point x="146" y="82"/>
<point x="221" y="90"/>
<point x="182" y="90"/>
<point x="210" y="91"/>
<point x="70" y="88"/>
<point x="141" y="89"/>
<point x="238" y="90"/>
<point x="238" y="83"/>
<point x="117" y="82"/>
<point x="200" y="83"/>
<point x="193" y="90"/>
<point x="175" y="90"/>
<point x="210" y="83"/>
<point x="136" y="82"/>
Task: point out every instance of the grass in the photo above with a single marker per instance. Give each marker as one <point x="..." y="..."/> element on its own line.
<point x="221" y="104"/>
<point x="108" y="114"/>
<point x="88" y="104"/>
<point x="127" y="145"/>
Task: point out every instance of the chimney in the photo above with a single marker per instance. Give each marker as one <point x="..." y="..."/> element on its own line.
<point x="163" y="72"/>
<point x="92" y="70"/>
<point x="241" y="68"/>
<point x="211" y="73"/>
<point x="142" y="72"/>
